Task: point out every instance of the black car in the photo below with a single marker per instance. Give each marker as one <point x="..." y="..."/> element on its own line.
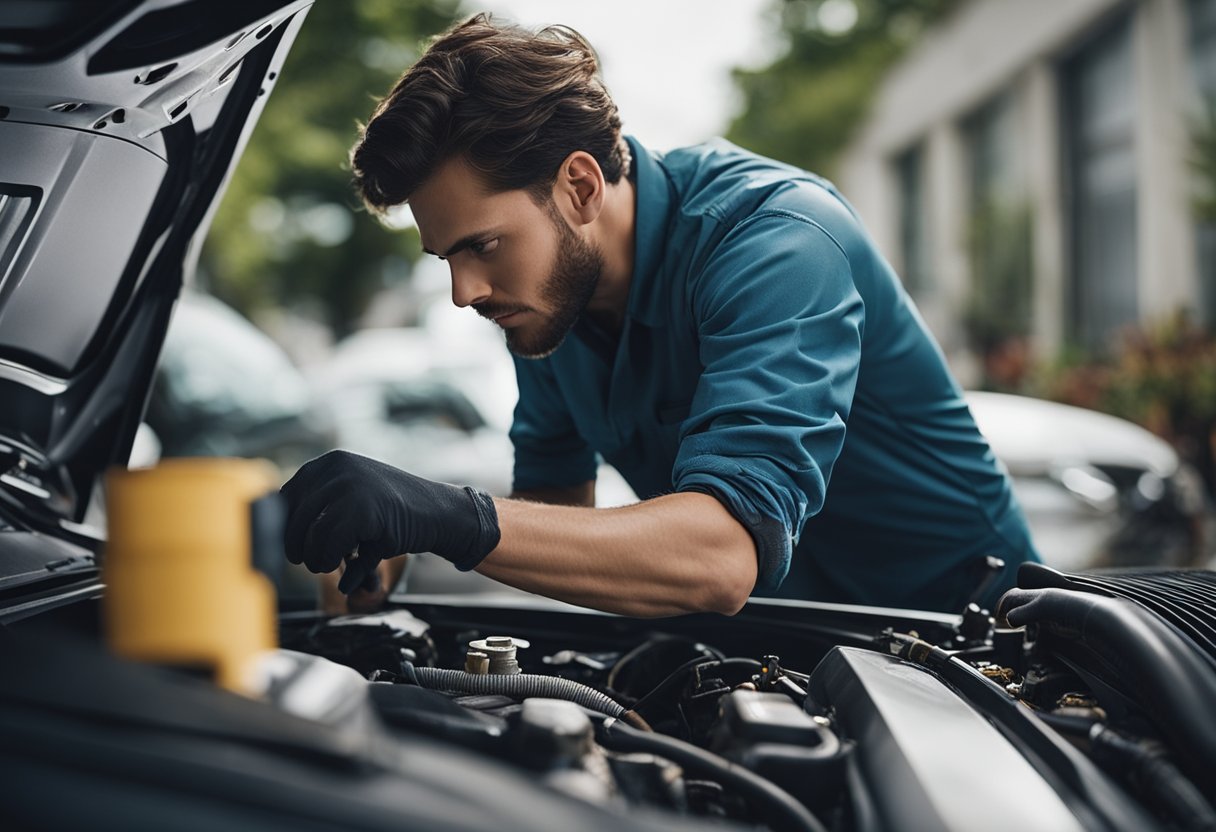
<point x="1082" y="703"/>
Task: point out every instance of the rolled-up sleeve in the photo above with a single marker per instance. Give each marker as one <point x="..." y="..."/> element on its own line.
<point x="780" y="324"/>
<point x="549" y="452"/>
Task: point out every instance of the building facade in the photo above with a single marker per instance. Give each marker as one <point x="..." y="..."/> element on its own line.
<point x="1028" y="167"/>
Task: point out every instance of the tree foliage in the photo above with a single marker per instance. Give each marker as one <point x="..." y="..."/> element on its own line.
<point x="1203" y="162"/>
<point x="289" y="230"/>
<point x="999" y="298"/>
<point x="1161" y="375"/>
<point x="805" y="106"/>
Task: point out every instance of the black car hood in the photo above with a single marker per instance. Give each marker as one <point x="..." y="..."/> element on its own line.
<point x="120" y="123"/>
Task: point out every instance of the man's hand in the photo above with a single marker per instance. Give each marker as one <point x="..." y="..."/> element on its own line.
<point x="342" y="506"/>
<point x="365" y="599"/>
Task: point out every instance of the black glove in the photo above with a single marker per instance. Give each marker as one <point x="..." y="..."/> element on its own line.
<point x="340" y="503"/>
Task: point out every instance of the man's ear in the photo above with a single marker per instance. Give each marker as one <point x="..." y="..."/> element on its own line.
<point x="579" y="189"/>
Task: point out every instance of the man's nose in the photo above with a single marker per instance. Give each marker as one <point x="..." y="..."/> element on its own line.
<point x="469" y="286"/>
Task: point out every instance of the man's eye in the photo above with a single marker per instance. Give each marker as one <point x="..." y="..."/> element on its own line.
<point x="484" y="247"/>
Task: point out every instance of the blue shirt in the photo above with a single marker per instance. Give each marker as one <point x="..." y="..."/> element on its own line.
<point x="770" y="356"/>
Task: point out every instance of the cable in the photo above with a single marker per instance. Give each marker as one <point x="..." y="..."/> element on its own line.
<point x="659" y="643"/>
<point x="677" y="676"/>
<point x="779" y="809"/>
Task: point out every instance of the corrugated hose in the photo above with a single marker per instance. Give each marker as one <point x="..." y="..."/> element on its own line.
<point x="524" y="685"/>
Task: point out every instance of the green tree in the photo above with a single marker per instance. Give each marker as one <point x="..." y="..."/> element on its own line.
<point x="289" y="230"/>
<point x="805" y="106"/>
<point x="1203" y="162"/>
<point x="997" y="316"/>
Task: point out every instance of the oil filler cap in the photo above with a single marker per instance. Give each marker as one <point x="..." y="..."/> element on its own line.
<point x="495" y="655"/>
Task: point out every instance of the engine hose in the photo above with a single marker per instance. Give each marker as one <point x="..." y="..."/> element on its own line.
<point x="1136" y="652"/>
<point x="523" y="686"/>
<point x="1148" y="765"/>
<point x="677" y="677"/>
<point x="778" y="807"/>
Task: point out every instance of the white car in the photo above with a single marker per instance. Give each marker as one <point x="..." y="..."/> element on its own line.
<point x="1096" y="490"/>
<point x="435" y="402"/>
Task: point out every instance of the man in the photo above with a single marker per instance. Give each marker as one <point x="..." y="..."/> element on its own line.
<point x="716" y="325"/>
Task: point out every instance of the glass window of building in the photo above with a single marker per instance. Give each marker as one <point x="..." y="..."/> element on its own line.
<point x="998" y="227"/>
<point x="1099" y="119"/>
<point x="1202" y="20"/>
<point x="913" y="221"/>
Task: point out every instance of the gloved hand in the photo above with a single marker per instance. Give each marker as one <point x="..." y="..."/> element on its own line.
<point x="341" y="503"/>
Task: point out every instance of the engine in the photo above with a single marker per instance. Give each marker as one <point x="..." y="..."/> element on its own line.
<point x="1081" y="703"/>
<point x="1079" y="697"/>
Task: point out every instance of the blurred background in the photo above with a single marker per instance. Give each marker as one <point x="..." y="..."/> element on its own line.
<point x="1041" y="173"/>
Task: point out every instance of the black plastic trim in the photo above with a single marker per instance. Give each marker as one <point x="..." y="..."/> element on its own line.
<point x="53" y="598"/>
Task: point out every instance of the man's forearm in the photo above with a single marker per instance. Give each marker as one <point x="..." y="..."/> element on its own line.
<point x="673" y="554"/>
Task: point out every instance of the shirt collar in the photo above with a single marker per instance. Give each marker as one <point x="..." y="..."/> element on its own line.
<point x="653" y="215"/>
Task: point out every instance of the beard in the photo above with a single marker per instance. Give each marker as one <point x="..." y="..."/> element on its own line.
<point x="567" y="291"/>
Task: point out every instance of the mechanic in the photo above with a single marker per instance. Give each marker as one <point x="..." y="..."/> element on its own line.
<point x="717" y="325"/>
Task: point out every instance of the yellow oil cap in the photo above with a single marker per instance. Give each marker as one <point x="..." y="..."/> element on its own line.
<point x="181" y="589"/>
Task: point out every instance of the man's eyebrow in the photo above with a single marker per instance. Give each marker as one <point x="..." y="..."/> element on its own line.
<point x="465" y="241"/>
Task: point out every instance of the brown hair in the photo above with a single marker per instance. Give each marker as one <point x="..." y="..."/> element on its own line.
<point x="512" y="102"/>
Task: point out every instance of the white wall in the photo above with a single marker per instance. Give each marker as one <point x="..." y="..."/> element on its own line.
<point x="989" y="47"/>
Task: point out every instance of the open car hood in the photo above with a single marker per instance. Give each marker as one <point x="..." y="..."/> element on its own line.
<point x="120" y="123"/>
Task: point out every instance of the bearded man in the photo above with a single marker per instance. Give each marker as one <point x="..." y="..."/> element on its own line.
<point x="716" y="325"/>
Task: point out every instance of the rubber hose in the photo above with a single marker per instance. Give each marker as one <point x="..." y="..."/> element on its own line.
<point x="779" y="808"/>
<point x="1174" y="793"/>
<point x="676" y="677"/>
<point x="520" y="686"/>
<point x="1135" y="651"/>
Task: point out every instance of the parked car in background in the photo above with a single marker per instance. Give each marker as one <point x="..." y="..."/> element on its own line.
<point x="1097" y="490"/>
<point x="436" y="401"/>
<point x="396" y="396"/>
<point x="224" y="388"/>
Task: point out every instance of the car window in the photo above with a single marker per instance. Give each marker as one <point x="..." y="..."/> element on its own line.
<point x="430" y="402"/>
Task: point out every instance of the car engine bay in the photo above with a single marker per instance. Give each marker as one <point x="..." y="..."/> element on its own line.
<point x="1083" y="707"/>
<point x="702" y="728"/>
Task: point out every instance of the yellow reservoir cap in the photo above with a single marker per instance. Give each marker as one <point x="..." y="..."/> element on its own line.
<point x="180" y="584"/>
